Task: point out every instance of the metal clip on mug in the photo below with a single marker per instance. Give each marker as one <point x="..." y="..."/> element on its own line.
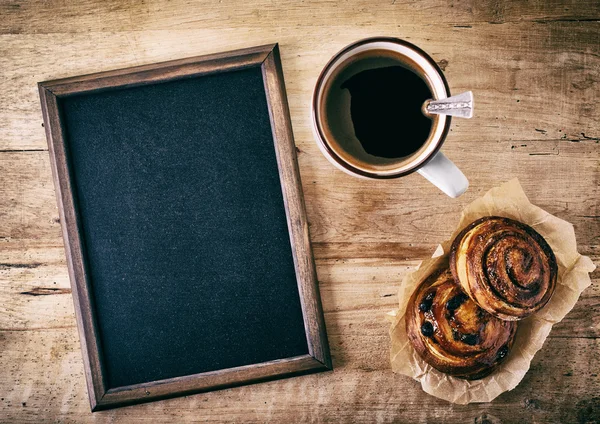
<point x="333" y="127"/>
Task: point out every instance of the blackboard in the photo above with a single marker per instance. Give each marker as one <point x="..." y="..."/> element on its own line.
<point x="184" y="226"/>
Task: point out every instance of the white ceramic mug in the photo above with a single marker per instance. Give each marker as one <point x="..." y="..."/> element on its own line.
<point x="331" y="108"/>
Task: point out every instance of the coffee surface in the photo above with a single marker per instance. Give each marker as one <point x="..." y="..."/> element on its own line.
<point x="386" y="110"/>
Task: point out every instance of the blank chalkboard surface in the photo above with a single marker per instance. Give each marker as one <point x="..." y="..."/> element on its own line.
<point x="184" y="225"/>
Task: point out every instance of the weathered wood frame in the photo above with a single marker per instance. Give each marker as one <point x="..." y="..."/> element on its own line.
<point x="267" y="58"/>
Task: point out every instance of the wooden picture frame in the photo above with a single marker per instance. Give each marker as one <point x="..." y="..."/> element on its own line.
<point x="267" y="58"/>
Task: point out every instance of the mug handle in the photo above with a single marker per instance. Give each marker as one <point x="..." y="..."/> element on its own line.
<point x="442" y="173"/>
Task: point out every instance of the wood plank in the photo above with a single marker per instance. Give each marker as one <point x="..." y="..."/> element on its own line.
<point x="58" y="16"/>
<point x="42" y="378"/>
<point x="558" y="176"/>
<point x="342" y="208"/>
<point x="35" y="292"/>
<point x="358" y="281"/>
<point x="27" y="201"/>
<point x="531" y="81"/>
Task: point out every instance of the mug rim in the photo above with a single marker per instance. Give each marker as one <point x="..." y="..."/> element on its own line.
<point x="321" y="140"/>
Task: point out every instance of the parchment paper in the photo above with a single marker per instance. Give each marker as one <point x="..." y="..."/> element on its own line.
<point x="509" y="201"/>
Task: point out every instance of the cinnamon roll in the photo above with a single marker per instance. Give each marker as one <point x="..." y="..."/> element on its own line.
<point x="505" y="266"/>
<point x="451" y="333"/>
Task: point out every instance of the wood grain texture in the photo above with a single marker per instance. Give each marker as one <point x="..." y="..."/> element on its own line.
<point x="41" y="16"/>
<point x="163" y="71"/>
<point x="73" y="247"/>
<point x="293" y="197"/>
<point x="534" y="70"/>
<point x="531" y="76"/>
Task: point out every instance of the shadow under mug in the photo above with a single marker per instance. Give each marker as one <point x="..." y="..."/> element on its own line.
<point x="332" y="122"/>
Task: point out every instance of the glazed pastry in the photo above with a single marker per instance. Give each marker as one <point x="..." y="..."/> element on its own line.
<point x="505" y="266"/>
<point x="451" y="333"/>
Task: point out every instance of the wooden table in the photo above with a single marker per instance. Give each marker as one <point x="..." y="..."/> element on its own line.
<point x="534" y="68"/>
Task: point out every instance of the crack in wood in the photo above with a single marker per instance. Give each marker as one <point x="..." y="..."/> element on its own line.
<point x="550" y="336"/>
<point x="585" y="137"/>
<point x="544" y="154"/>
<point x="46" y="291"/>
<point x="58" y="327"/>
<point x="552" y="20"/>
<point x="7" y="265"/>
<point x="22" y="150"/>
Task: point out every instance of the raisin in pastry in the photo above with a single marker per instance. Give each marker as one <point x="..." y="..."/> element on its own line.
<point x="451" y="333"/>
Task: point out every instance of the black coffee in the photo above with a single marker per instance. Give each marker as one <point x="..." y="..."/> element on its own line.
<point x="386" y="111"/>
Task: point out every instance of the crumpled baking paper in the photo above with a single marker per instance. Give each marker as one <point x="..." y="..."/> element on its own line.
<point x="509" y="201"/>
